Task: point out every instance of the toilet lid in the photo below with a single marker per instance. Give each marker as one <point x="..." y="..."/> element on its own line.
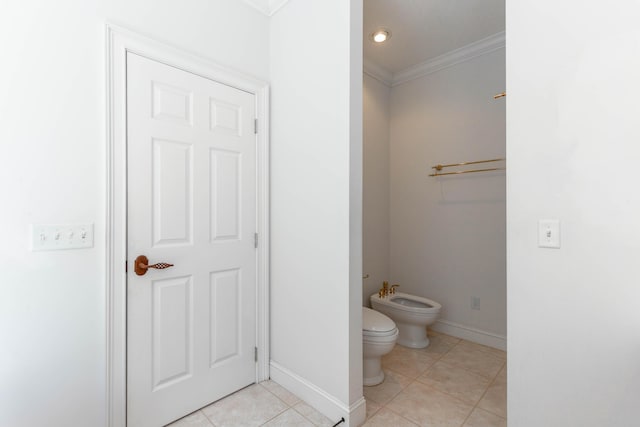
<point x="375" y="321"/>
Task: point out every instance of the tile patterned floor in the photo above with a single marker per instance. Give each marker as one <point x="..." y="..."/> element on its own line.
<point x="452" y="382"/>
<point x="266" y="404"/>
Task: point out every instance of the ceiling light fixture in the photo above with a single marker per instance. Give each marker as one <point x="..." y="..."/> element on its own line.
<point x="381" y="35"/>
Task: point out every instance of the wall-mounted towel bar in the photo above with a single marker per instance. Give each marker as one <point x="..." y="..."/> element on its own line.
<point x="438" y="168"/>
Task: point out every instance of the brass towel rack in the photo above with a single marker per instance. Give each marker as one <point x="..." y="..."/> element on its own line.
<point x="438" y="168"/>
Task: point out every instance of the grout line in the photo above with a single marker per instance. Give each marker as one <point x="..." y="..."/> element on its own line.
<point x="207" y="418"/>
<point x="276" y="396"/>
<point x="453" y="366"/>
<point x="304" y="416"/>
<point x="373" y="414"/>
<point x="485" y="392"/>
<point x="447" y="393"/>
<point x="401" y="416"/>
<point x="404" y="375"/>
<point x="468" y="416"/>
<point x="275" y="416"/>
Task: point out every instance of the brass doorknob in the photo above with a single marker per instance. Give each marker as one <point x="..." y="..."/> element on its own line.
<point x="142" y="265"/>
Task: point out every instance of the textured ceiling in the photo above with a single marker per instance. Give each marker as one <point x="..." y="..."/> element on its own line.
<point x="424" y="29"/>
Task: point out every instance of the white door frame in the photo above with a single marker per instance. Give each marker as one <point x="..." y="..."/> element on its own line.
<point x="119" y="42"/>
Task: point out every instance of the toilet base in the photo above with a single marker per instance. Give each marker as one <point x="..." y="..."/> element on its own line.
<point x="412" y="336"/>
<point x="373" y="373"/>
<point x="414" y="344"/>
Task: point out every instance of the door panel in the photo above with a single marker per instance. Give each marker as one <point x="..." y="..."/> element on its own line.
<point x="172" y="331"/>
<point x="225" y="195"/>
<point x="226" y="322"/>
<point x="172" y="103"/>
<point x="191" y="182"/>
<point x="172" y="189"/>
<point x="225" y="118"/>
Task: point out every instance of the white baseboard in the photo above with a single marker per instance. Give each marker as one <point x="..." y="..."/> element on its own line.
<point x="471" y="334"/>
<point x="322" y="401"/>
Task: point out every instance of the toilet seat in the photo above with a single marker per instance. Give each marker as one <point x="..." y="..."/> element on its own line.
<point x="377" y="325"/>
<point x="371" y="334"/>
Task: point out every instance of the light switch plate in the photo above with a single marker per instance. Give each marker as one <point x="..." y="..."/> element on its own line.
<point x="45" y="237"/>
<point x="549" y="233"/>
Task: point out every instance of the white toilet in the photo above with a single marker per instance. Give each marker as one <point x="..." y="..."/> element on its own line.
<point x="379" y="335"/>
<point x="412" y="315"/>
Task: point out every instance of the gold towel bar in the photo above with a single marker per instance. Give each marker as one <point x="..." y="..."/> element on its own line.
<point x="438" y="168"/>
<point x="471" y="171"/>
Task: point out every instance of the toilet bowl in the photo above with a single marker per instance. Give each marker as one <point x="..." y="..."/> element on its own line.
<point x="379" y="335"/>
<point x="412" y="314"/>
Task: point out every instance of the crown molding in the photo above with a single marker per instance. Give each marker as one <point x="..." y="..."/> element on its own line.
<point x="449" y="59"/>
<point x="260" y="5"/>
<point x="377" y="72"/>
<point x="268" y="7"/>
<point x="276" y="5"/>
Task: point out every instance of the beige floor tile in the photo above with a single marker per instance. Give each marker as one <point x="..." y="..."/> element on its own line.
<point x="252" y="406"/>
<point x="495" y="399"/>
<point x="289" y="418"/>
<point x="372" y="408"/>
<point x="458" y="382"/>
<point x="313" y="415"/>
<point x="501" y="378"/>
<point x="439" y="345"/>
<point x="282" y="393"/>
<point x="450" y="376"/>
<point x="408" y="362"/>
<point x="476" y="361"/>
<point x="427" y="406"/>
<point x="393" y="384"/>
<point x="482" y="418"/>
<point x="448" y="338"/>
<point x="387" y="418"/>
<point x="197" y="419"/>
<point x="493" y="351"/>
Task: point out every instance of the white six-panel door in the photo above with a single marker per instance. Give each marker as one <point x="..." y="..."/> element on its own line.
<point x="191" y="183"/>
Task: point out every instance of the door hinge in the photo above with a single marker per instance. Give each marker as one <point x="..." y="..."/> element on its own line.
<point x="255" y="354"/>
<point x="255" y="240"/>
<point x="255" y="126"/>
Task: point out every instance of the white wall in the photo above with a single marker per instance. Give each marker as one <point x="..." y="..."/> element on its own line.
<point x="572" y="143"/>
<point x="447" y="234"/>
<point x="357" y="406"/>
<point x="375" y="200"/>
<point x="316" y="166"/>
<point x="52" y="170"/>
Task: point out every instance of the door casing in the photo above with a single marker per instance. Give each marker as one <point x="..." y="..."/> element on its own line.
<point x="119" y="41"/>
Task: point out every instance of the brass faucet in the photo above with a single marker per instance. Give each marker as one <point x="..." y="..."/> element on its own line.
<point x="393" y="289"/>
<point x="384" y="291"/>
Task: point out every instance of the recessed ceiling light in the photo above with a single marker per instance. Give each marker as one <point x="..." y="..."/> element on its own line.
<point x="381" y="35"/>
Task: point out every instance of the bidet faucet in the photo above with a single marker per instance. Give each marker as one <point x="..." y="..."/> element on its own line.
<point x="393" y="289"/>
<point x="384" y="291"/>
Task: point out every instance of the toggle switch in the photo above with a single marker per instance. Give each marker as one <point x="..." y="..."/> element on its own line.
<point x="549" y="233"/>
